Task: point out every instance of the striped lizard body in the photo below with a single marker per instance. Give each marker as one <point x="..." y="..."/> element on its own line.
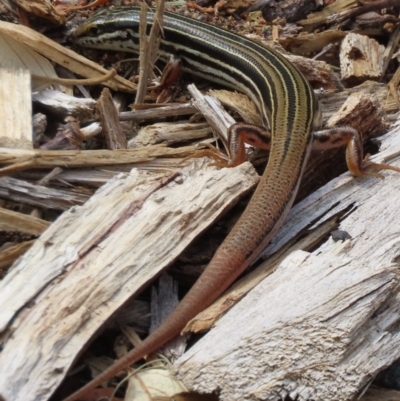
<point x="289" y="110"/>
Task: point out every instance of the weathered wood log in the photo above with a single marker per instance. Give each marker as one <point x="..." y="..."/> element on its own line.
<point x="324" y="323"/>
<point x="93" y="259"/>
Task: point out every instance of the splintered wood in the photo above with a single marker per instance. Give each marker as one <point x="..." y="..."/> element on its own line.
<point x="361" y="58"/>
<point x="16" y="109"/>
<point x="96" y="257"/>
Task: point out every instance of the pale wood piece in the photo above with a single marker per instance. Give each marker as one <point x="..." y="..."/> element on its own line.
<point x="213" y="112"/>
<point x="361" y="58"/>
<point x="393" y="85"/>
<point x="170" y="133"/>
<point x="311" y="43"/>
<point x="91" y="130"/>
<point x="53" y="174"/>
<point x="110" y="123"/>
<point x="15" y="109"/>
<point x="19" y="222"/>
<point x="96" y="257"/>
<point x="324" y="322"/>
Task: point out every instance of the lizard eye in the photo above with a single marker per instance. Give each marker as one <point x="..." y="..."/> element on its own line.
<point x="93" y="31"/>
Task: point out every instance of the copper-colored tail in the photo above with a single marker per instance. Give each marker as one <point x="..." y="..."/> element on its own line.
<point x="213" y="282"/>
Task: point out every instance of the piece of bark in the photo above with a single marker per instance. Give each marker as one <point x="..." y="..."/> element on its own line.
<point x="310" y="43"/>
<point x="391" y="48"/>
<point x="136" y="315"/>
<point x="96" y="257"/>
<point x="290" y="10"/>
<point x="110" y="123"/>
<point x="331" y="102"/>
<point x="14" y="221"/>
<point x="163" y="301"/>
<point x="380" y="394"/>
<point x="62" y="105"/>
<point x="42" y="9"/>
<point x="323" y="323"/>
<point x="68" y="136"/>
<point x="148" y="47"/>
<point x="327" y="14"/>
<point x="361" y="58"/>
<point x="362" y="112"/>
<point x="39" y="123"/>
<point x="318" y="73"/>
<point x="305" y="330"/>
<point x="11" y="254"/>
<point x="178" y="109"/>
<point x="37" y="195"/>
<point x="213" y="112"/>
<point x="19" y="160"/>
<point x="170" y="133"/>
<point x="86" y="177"/>
<point x="15" y="109"/>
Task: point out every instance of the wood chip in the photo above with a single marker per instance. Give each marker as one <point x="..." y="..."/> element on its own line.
<point x="15" y="109"/>
<point x="361" y="58"/>
<point x="111" y="126"/>
<point x="14" y="221"/>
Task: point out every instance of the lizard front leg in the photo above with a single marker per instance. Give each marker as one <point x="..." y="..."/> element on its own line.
<point x="238" y="135"/>
<point x="340" y="136"/>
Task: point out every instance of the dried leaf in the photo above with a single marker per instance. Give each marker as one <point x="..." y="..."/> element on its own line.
<point x="41" y="8"/>
<point x="150" y="383"/>
<point x="61" y="55"/>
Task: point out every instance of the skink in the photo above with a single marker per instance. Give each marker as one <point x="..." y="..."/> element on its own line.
<point x="290" y="114"/>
